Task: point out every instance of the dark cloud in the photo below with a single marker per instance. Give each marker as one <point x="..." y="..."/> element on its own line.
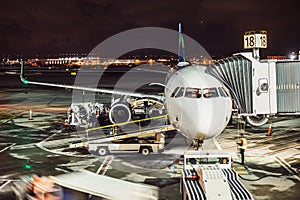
<point x="47" y="27"/>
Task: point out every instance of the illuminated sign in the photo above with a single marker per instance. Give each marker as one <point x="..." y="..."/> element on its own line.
<point x="255" y="40"/>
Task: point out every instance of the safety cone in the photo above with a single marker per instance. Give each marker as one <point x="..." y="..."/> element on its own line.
<point x="30" y="114"/>
<point x="269" y="129"/>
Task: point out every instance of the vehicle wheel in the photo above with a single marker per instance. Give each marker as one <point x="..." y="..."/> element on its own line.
<point x="102" y="151"/>
<point x="145" y="151"/>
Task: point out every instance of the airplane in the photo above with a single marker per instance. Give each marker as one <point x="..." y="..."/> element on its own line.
<point x="197" y="104"/>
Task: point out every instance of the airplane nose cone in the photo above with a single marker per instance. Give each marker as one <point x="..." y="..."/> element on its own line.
<point x="213" y="117"/>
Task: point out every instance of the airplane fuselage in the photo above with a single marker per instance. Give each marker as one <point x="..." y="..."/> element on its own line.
<point x="197" y="104"/>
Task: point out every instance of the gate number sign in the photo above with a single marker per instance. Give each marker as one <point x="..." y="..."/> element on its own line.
<point x="255" y="40"/>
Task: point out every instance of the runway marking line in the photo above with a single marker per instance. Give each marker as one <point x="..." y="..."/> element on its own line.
<point x="295" y="155"/>
<point x="56" y="151"/>
<point x="262" y="136"/>
<point x="268" y="145"/>
<point x="269" y="140"/>
<point x="105" y="165"/>
<point x="217" y="144"/>
<point x="287" y="166"/>
<point x="10" y="117"/>
<point x="279" y="150"/>
<point x="242" y="170"/>
<point x="7" y="147"/>
<point x="4" y="184"/>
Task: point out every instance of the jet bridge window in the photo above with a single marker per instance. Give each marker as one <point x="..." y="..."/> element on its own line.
<point x="263" y="85"/>
<point x="193" y="93"/>
<point x="210" y="92"/>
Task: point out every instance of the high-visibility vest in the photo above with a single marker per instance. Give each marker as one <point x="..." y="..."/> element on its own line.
<point x="244" y="143"/>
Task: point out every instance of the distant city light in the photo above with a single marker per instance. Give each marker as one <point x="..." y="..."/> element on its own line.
<point x="75" y="62"/>
<point x="292" y="56"/>
<point x="150" y="61"/>
<point x="137" y="62"/>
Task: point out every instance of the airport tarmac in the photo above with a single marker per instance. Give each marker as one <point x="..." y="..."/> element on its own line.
<point x="29" y="146"/>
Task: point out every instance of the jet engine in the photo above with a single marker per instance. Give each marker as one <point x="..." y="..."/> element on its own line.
<point x="119" y="112"/>
<point x="258" y="120"/>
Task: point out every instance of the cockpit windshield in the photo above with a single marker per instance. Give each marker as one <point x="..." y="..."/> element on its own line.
<point x="210" y="92"/>
<point x="196" y="93"/>
<point x="222" y="92"/>
<point x="180" y="92"/>
<point x="174" y="92"/>
<point x="193" y="93"/>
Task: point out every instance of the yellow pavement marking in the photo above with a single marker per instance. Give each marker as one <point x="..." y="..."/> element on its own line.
<point x="6" y="115"/>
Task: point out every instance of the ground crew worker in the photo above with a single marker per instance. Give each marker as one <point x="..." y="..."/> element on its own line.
<point x="242" y="145"/>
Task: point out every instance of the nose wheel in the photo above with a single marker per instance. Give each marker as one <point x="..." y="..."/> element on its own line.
<point x="197" y="144"/>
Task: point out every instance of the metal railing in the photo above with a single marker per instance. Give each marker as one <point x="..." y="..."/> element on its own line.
<point x="116" y="129"/>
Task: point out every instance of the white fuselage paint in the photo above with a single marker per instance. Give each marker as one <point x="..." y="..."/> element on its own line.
<point x="197" y="118"/>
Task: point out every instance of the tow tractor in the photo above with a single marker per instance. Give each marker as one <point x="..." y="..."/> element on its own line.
<point x="208" y="175"/>
<point x="143" y="145"/>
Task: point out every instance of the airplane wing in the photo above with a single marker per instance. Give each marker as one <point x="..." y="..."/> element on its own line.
<point x="152" y="70"/>
<point x="101" y="90"/>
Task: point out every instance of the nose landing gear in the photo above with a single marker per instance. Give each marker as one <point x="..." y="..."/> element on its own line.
<point x="197" y="144"/>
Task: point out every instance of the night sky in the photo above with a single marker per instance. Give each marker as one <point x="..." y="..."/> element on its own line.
<point x="53" y="27"/>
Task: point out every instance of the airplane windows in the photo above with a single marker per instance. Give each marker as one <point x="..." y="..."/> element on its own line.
<point x="174" y="92"/>
<point x="210" y="92"/>
<point x="180" y="92"/>
<point x="222" y="92"/>
<point x="193" y="93"/>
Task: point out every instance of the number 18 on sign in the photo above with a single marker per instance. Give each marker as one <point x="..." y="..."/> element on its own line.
<point x="253" y="40"/>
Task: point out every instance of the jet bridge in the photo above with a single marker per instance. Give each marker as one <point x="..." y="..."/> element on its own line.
<point x="236" y="74"/>
<point x="260" y="88"/>
<point x="288" y="87"/>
